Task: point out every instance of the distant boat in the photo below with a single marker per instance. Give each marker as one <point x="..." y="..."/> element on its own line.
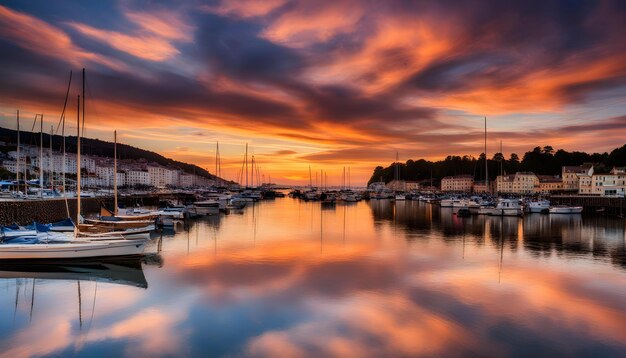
<point x="564" y="209"/>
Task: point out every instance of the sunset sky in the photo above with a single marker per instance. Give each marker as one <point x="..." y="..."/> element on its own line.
<point x="322" y="83"/>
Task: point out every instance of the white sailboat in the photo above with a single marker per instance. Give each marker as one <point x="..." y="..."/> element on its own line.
<point x="78" y="247"/>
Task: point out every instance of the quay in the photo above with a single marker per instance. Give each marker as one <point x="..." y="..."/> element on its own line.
<point x="23" y="212"/>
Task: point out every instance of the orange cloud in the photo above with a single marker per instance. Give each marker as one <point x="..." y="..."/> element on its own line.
<point x="147" y="47"/>
<point x="40" y="37"/>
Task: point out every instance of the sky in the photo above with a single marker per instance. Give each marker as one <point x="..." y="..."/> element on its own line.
<point x="325" y="84"/>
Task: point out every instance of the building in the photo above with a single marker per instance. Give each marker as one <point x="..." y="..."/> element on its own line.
<point x="137" y="178"/>
<point x="457" y="183"/>
<point x="518" y="183"/>
<point x="572" y="174"/>
<point x="161" y="177"/>
<point x="481" y="187"/>
<point x="610" y="184"/>
<point x="549" y="184"/>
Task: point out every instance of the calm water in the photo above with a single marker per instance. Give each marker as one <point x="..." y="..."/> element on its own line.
<point x="369" y="279"/>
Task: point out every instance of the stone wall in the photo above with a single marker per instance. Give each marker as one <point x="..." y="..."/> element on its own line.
<point x="44" y="211"/>
<point x="24" y="212"/>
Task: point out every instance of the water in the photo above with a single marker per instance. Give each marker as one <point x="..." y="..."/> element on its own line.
<point x="286" y="278"/>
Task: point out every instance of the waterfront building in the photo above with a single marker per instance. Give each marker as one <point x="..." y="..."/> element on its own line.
<point x="518" y="183"/>
<point x="572" y="176"/>
<point x="457" y="183"/>
<point x="609" y="184"/>
<point x="481" y="187"/>
<point x="549" y="184"/>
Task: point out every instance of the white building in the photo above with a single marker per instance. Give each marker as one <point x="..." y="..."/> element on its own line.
<point x="611" y="184"/>
<point x="137" y="177"/>
<point x="160" y="177"/>
<point x="187" y="180"/>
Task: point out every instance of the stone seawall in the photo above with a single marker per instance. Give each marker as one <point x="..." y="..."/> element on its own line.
<point x="44" y="211"/>
<point x="24" y="212"/>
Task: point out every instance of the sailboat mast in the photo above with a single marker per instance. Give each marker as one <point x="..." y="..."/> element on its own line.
<point x="115" y="174"/>
<point x="17" y="163"/>
<point x="41" y="155"/>
<point x="64" y="157"/>
<point x="78" y="162"/>
<point x="486" y="166"/>
<point x="501" y="159"/>
<point x="50" y="159"/>
<point x="246" y="165"/>
<point x="217" y="158"/>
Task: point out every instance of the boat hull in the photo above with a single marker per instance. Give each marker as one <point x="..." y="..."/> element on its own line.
<point x="506" y="212"/>
<point x="566" y="210"/>
<point x="72" y="250"/>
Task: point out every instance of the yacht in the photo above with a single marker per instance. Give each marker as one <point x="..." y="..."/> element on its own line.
<point x="539" y="206"/>
<point x="507" y="207"/>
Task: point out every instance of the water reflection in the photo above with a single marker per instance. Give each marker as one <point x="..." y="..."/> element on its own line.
<point x="289" y="278"/>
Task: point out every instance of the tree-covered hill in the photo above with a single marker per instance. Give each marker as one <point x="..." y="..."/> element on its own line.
<point x="540" y="160"/>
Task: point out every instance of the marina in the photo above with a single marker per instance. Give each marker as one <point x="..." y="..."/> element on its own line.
<point x="228" y="283"/>
<point x="296" y="178"/>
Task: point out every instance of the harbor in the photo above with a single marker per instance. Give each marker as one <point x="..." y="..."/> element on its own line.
<point x="225" y="283"/>
<point x="296" y="178"/>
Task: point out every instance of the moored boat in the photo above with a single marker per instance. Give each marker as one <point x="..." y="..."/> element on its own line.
<point x="539" y="206"/>
<point x="507" y="207"/>
<point x="72" y="249"/>
<point x="564" y="209"/>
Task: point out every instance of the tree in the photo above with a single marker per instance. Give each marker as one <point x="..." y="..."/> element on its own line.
<point x="548" y="149"/>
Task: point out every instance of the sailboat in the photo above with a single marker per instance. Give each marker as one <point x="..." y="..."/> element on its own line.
<point x="137" y="226"/>
<point x="34" y="247"/>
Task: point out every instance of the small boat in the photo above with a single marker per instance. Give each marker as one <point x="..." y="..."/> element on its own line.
<point x="400" y="196"/>
<point x="540" y="206"/>
<point x="207" y="207"/>
<point x="117" y="223"/>
<point x="564" y="209"/>
<point x="507" y="207"/>
<point x="72" y="249"/>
